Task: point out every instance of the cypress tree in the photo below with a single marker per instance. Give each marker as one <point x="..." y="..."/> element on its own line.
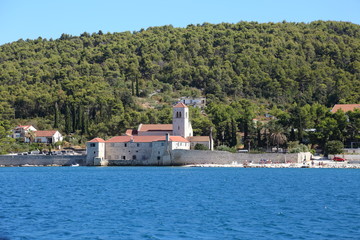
<point x="56" y="115"/>
<point x="68" y="120"/>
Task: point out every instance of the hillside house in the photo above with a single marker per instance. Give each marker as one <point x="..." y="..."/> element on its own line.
<point x="22" y="131"/>
<point x="345" y="107"/>
<point x="51" y="136"/>
<point x="195" y="102"/>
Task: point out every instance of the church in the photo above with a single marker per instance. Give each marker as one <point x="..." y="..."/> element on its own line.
<point x="149" y="142"/>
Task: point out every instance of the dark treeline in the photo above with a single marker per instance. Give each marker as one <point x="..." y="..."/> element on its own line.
<point x="88" y="83"/>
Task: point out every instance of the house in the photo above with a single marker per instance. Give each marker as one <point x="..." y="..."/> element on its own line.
<point x="149" y="142"/>
<point x="22" y="131"/>
<point x="345" y="107"/>
<point x="195" y="102"/>
<point x="51" y="136"/>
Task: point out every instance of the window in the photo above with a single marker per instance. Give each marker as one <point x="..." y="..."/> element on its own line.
<point x="138" y="144"/>
<point x="123" y="157"/>
<point x="92" y="144"/>
<point x="134" y="157"/>
<point x="125" y="145"/>
<point x="158" y="158"/>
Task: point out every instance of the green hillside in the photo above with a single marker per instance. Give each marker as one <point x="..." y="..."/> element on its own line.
<point x="100" y="84"/>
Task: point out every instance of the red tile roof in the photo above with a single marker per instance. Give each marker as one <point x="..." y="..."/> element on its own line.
<point x="25" y="127"/>
<point x="97" y="140"/>
<point x="180" y="105"/>
<point x="199" y="139"/>
<point x="145" y="139"/>
<point x="155" y="127"/>
<point x="178" y="139"/>
<point x="119" y="139"/>
<point x="45" y="133"/>
<point x="345" y="107"/>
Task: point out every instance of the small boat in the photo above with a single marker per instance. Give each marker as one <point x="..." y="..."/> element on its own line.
<point x="75" y="165"/>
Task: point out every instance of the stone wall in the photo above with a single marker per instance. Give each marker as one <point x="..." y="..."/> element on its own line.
<point x="188" y="157"/>
<point x="41" y="160"/>
<point x="181" y="157"/>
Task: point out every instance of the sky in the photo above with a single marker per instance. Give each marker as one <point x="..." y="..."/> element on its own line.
<point x="30" y="19"/>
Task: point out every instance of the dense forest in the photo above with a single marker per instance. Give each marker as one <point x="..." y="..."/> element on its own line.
<point x="100" y="84"/>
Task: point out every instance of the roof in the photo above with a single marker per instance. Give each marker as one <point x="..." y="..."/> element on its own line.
<point x="49" y="133"/>
<point x="97" y="140"/>
<point x="25" y="127"/>
<point x="139" y="139"/>
<point x="178" y="139"/>
<point x="199" y="139"/>
<point x="180" y="105"/>
<point x="119" y="139"/>
<point x="345" y="107"/>
<point x="155" y="127"/>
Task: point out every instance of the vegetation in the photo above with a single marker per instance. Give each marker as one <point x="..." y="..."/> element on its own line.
<point x="200" y="146"/>
<point x="98" y="85"/>
<point x="334" y="147"/>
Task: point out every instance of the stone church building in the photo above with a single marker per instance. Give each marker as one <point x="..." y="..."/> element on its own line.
<point x="149" y="142"/>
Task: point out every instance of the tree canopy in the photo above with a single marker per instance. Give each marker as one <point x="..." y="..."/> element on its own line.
<point x="93" y="84"/>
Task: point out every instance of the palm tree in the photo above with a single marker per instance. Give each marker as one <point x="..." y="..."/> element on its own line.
<point x="31" y="135"/>
<point x="277" y="135"/>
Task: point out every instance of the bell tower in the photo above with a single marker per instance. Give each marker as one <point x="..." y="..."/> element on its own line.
<point x="181" y="122"/>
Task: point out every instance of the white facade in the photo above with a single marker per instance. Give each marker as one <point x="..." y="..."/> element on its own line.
<point x="47" y="137"/>
<point x="181" y="121"/>
<point x="121" y="148"/>
<point x="22" y="131"/>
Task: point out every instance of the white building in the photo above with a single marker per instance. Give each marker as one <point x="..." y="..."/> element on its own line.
<point x="51" y="136"/>
<point x="153" y="142"/>
<point x="22" y="131"/>
<point x="195" y="102"/>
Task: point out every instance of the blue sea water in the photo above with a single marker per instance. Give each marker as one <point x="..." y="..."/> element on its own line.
<point x="178" y="203"/>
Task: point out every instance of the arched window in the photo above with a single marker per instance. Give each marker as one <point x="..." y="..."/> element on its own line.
<point x="180" y="114"/>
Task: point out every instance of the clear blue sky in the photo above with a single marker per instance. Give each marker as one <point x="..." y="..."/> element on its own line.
<point x="50" y="18"/>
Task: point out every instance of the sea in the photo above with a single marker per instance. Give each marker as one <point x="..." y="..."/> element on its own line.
<point x="178" y="203"/>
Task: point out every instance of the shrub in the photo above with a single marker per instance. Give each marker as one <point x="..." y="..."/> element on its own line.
<point x="225" y="148"/>
<point x="200" y="146"/>
<point x="334" y="147"/>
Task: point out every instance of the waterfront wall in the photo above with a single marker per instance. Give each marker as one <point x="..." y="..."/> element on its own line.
<point x="41" y="160"/>
<point x="176" y="158"/>
<point x="180" y="157"/>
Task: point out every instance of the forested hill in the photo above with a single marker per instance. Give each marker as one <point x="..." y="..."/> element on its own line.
<point x="96" y="74"/>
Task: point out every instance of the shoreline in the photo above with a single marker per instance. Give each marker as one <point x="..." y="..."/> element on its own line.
<point x="281" y="165"/>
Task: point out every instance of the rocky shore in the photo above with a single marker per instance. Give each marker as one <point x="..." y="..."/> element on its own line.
<point x="312" y="164"/>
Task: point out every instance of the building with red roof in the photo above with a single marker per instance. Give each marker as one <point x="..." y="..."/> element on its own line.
<point x="345" y="107"/>
<point x="49" y="136"/>
<point x="22" y="131"/>
<point x="149" y="143"/>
